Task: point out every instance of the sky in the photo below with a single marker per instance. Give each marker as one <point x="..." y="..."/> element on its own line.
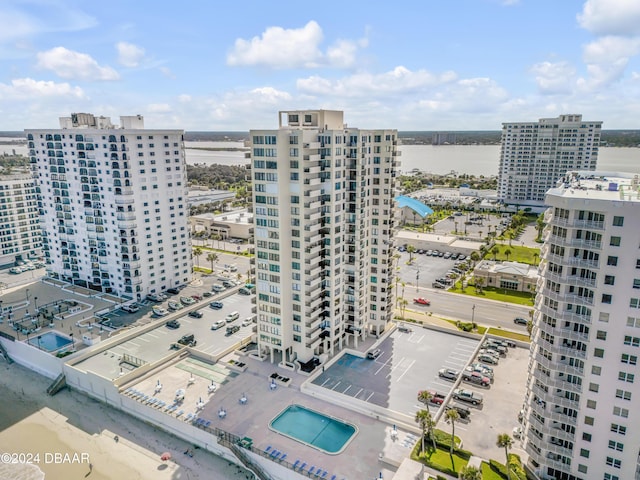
<point x="231" y="66"/>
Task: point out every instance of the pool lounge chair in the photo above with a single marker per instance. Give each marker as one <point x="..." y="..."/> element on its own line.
<point x="179" y="413"/>
<point x="311" y="469"/>
<point x="207" y="423"/>
<point x="283" y="457"/>
<point x="295" y="465"/>
<point x="304" y="464"/>
<point x="333" y="477"/>
<point x="324" y="474"/>
<point x="268" y="449"/>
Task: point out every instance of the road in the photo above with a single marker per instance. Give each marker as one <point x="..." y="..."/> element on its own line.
<point x="461" y="307"/>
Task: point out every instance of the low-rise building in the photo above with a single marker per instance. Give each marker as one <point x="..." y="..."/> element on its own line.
<point x="515" y="276"/>
<point x="235" y="224"/>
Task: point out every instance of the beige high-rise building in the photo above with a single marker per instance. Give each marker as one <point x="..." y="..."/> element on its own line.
<point x="323" y="213"/>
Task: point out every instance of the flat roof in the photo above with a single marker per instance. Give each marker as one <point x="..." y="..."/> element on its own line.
<point x="595" y="185"/>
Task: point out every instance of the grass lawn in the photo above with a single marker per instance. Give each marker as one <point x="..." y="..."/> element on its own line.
<point x="488" y="474"/>
<point x="440" y="459"/>
<point x="518" y="254"/>
<point x="492" y="293"/>
<point x="498" y="332"/>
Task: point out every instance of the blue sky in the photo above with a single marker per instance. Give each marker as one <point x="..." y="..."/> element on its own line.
<point x="426" y="65"/>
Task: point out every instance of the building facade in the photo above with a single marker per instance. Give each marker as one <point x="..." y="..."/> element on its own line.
<point x="534" y="155"/>
<point x="20" y="237"/>
<point x="113" y="204"/>
<point x="323" y="220"/>
<point x="581" y="406"/>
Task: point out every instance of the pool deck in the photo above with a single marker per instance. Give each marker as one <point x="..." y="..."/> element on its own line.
<point x="360" y="458"/>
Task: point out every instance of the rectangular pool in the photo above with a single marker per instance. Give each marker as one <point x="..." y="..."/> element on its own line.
<point x="314" y="429"/>
<point x="50" y="341"/>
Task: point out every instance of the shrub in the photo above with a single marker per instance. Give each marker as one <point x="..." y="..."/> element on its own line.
<point x="498" y="468"/>
<point x="515" y="466"/>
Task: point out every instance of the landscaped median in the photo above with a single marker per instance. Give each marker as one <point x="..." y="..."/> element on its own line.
<point x="441" y="459"/>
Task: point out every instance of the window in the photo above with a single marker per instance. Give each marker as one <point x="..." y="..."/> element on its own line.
<point x="629" y="359"/>
<point x="601" y="335"/>
<point x="609" y="280"/>
<point x="633" y="341"/>
<point x="594" y="387"/>
<point x="637" y="263"/>
<point x="633" y="322"/>
<point x="618" y="429"/>
<point x="636" y="283"/>
<point x="618" y="221"/>
<point x="586" y="436"/>
<point x="626" y="377"/>
<point x="621" y="412"/>
<point x="606" y="298"/>
<point x="582" y="468"/>
<point x="623" y="394"/>
<point x="603" y="317"/>
<point x="595" y="370"/>
<point x="591" y="404"/>
<point x="584" y="453"/>
<point x="634" y="302"/>
<point x="612" y="261"/>
<point x="608" y="476"/>
<point x="613" y="462"/>
<point x="588" y="420"/>
<point x="614" y="241"/>
<point x="598" y="352"/>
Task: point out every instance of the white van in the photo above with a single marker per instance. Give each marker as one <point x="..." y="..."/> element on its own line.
<point x="232" y="317"/>
<point x="217" y="325"/>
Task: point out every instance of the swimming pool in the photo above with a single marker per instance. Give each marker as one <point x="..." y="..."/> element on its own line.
<point x="50" y="341"/>
<point x="314" y="429"/>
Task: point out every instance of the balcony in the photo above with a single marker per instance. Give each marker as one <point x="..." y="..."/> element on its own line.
<point x="124" y="201"/>
<point x="588" y="224"/>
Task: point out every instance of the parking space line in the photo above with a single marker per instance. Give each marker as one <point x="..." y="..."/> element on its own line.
<point x="406" y="370"/>
<point x="325" y="382"/>
<point x="455" y="364"/>
<point x="334" y="387"/>
<point x="346" y="390"/>
<point x="359" y="391"/>
<point x="369" y="397"/>
<point x="145" y="339"/>
<point x="383" y="365"/>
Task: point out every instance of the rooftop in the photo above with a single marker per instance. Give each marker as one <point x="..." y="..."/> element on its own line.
<point x="599" y="186"/>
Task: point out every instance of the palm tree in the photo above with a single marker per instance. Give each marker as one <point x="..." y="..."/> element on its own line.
<point x="536" y="255"/>
<point x="212" y="257"/>
<point x="422" y="419"/>
<point x="475" y="256"/>
<point x="197" y="251"/>
<point x="425" y="397"/>
<point x="411" y="249"/>
<point x="495" y="251"/>
<point x="403" y="306"/>
<point x="470" y="473"/>
<point x="506" y="442"/>
<point x="507" y="252"/>
<point x="478" y="282"/>
<point x="452" y="416"/>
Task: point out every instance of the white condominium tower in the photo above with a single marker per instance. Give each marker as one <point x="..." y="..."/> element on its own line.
<point x="113" y="204"/>
<point x="20" y="236"/>
<point x="323" y="202"/>
<point x="534" y="155"/>
<point x="582" y="407"/>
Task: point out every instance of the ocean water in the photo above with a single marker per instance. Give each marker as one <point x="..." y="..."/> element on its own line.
<point x="471" y="159"/>
<point x="17" y="471"/>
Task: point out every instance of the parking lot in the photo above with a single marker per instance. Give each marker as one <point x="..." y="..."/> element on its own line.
<point x="155" y="344"/>
<point x="409" y="362"/>
<point x="424" y="268"/>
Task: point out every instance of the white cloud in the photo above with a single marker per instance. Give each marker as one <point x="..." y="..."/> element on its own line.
<point x="611" y="17"/>
<point x="554" y="77"/>
<point x="606" y="59"/>
<point x="28" y="88"/>
<point x="69" y="64"/>
<point x="159" y="108"/>
<point x="184" y="98"/>
<point x="129" y="54"/>
<point x="166" y="71"/>
<point x="278" y="47"/>
<point x="398" y="80"/>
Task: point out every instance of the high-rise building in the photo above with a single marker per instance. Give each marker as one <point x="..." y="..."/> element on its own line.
<point x="20" y="236"/>
<point x="323" y="205"/>
<point x="113" y="204"/>
<point x="583" y="397"/>
<point x="534" y="156"/>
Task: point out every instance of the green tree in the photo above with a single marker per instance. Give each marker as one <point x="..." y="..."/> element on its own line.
<point x="507" y="252"/>
<point x="495" y="251"/>
<point x="425" y="397"/>
<point x="540" y="226"/>
<point x="479" y="283"/>
<point x="411" y="249"/>
<point x="403" y="306"/>
<point x="475" y="256"/>
<point x="197" y="252"/>
<point x="469" y="472"/>
<point x="506" y="442"/>
<point x="536" y="255"/>
<point x="452" y="416"/>
<point x="213" y="258"/>
<point x="422" y="419"/>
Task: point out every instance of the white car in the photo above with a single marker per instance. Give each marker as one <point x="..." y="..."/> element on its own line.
<point x="15" y="270"/>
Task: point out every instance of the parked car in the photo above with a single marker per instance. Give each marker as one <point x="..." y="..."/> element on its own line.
<point x="490" y="359"/>
<point x="520" y="321"/>
<point x="174" y="305"/>
<point x="244" y="291"/>
<point x="218" y="324"/>
<point x="216" y="305"/>
<point x="476" y="378"/>
<point x="422" y="301"/>
<point x="159" y="311"/>
<point x="438" y="285"/>
<point x="480" y="369"/>
<point x="188" y="340"/>
<point x="232" y="329"/>
<point x="488" y="371"/>
<point x="448" y="374"/>
<point x="248" y="321"/>
<point x="173" y="324"/>
<point x="207" y="294"/>
<point x="436" y="398"/>
<point x="218" y="288"/>
<point x="373" y="354"/>
<point x="133" y="308"/>
<point x="468" y="396"/>
<point x="404" y="328"/>
<point x="156" y="297"/>
<point x="187" y="300"/>
<point x="197" y="298"/>
<point x="196" y="314"/>
<point x="228" y="284"/>
<point x="173" y="291"/>
<point x="463" y="412"/>
<point x="15" y="270"/>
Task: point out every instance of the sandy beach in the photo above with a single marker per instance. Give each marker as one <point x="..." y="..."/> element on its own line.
<point x="70" y="436"/>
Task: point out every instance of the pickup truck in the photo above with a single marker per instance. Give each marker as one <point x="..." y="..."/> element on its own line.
<point x="436" y="398"/>
<point x="468" y="396"/>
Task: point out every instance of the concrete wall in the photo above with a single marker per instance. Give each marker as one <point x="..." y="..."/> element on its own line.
<point x="33" y="358"/>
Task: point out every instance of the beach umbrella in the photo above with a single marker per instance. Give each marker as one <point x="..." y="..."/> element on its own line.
<point x="165" y="456"/>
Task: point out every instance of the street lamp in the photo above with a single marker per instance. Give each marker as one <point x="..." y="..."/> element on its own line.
<point x="417" y="278"/>
<point x="35" y="301"/>
<point x="27" y="295"/>
<point x="473" y="314"/>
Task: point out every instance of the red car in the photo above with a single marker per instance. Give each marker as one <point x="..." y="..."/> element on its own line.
<point x="422" y="301"/>
<point x="436" y="398"/>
